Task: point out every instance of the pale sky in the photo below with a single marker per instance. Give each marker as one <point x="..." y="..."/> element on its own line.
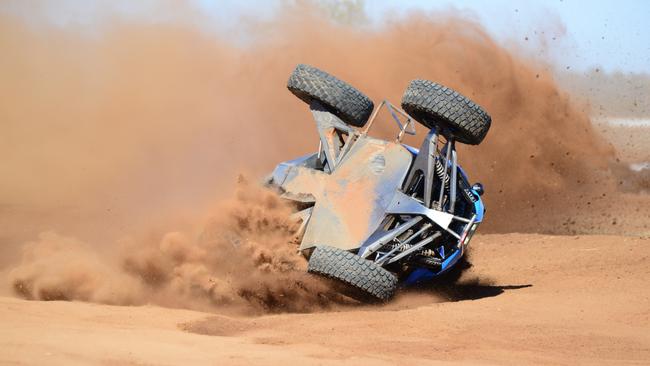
<point x="613" y="35"/>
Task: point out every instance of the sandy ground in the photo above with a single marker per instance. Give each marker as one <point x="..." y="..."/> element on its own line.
<point x="529" y="299"/>
<point x="95" y="151"/>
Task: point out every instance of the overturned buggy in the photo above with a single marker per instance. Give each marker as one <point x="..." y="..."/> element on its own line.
<point x="377" y="213"/>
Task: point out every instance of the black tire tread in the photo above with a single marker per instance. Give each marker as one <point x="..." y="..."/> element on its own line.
<point x="349" y="104"/>
<point x="351" y="269"/>
<point x="434" y="104"/>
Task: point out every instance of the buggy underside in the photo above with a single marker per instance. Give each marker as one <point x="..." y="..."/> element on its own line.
<point x="374" y="212"/>
<point x="379" y="199"/>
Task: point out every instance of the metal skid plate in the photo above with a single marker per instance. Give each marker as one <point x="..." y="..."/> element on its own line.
<point x="403" y="204"/>
<point x="351" y="201"/>
<point x="350" y="182"/>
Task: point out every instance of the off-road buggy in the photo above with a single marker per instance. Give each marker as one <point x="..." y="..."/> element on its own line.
<point x="377" y="213"/>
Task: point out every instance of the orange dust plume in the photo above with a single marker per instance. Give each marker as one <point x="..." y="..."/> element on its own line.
<point x="243" y="258"/>
<point x="141" y="120"/>
<point x="141" y="125"/>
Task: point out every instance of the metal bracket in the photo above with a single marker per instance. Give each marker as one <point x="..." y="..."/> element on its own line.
<point x="330" y="130"/>
<point x="425" y="164"/>
<point x="393" y="110"/>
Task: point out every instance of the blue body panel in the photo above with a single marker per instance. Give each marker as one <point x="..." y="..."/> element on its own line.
<point x="411" y="149"/>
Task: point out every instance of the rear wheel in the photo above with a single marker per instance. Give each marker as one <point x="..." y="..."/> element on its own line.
<point x="369" y="281"/>
<point x="436" y="105"/>
<point x="340" y="98"/>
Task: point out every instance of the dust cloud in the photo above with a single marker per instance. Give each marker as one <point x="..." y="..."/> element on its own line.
<point x="142" y="126"/>
<point x="242" y="259"/>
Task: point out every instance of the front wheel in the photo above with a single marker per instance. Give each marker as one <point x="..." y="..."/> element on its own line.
<point x="436" y="105"/>
<point x="346" y="102"/>
<point x="368" y="279"/>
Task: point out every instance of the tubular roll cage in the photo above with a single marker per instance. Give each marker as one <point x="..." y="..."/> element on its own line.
<point x="437" y="158"/>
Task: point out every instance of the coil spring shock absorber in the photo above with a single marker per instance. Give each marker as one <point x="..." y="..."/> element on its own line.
<point x="440" y="172"/>
<point x="424" y="252"/>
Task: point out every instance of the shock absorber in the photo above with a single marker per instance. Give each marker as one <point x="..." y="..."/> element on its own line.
<point x="440" y="172"/>
<point x="404" y="247"/>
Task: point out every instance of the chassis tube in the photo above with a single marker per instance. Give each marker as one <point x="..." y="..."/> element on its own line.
<point x="454" y="180"/>
<point x="431" y="160"/>
<point x="449" y="144"/>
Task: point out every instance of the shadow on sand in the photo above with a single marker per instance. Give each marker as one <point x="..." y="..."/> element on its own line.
<point x="474" y="291"/>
